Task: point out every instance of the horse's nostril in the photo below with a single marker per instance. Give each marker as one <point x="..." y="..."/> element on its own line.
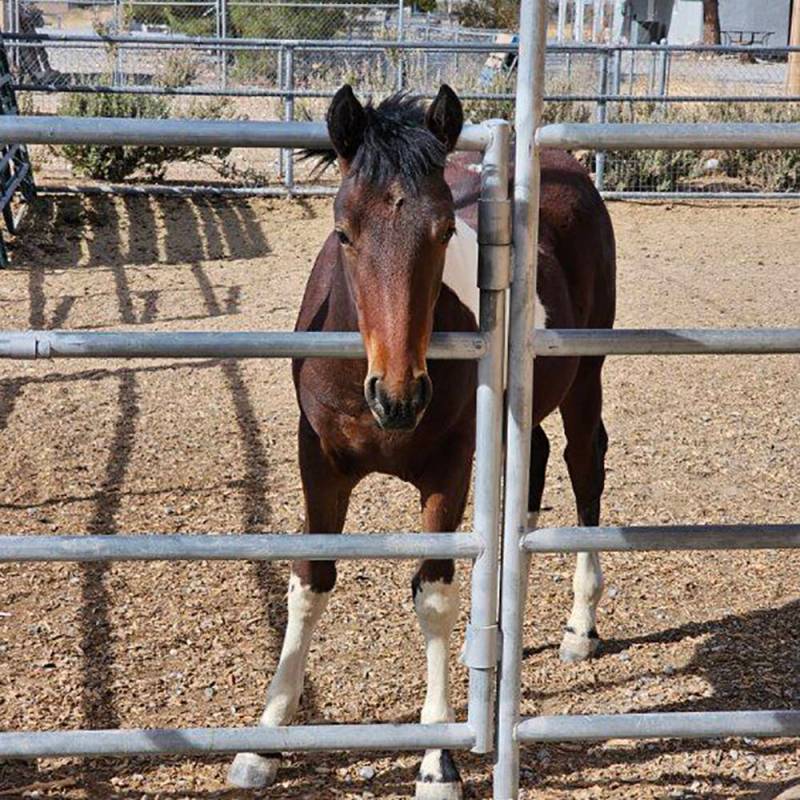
<point x="423" y="392"/>
<point x="371" y="386"/>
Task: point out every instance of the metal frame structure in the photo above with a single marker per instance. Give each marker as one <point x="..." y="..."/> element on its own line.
<point x="488" y="346"/>
<point x="16" y="172"/>
<point x="613" y="64"/>
<point x="525" y="343"/>
<point x="481" y="545"/>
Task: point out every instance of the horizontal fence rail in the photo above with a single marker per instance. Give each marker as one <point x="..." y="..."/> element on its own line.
<point x="238" y="547"/>
<point x="269" y="344"/>
<point x="665" y="725"/>
<point x="667" y="136"/>
<point x="385" y="736"/>
<point x="662" y="537"/>
<point x="667" y="341"/>
<point x="185" y="132"/>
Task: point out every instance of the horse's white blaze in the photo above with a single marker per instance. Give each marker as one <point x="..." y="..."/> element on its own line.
<point x="587" y="586"/>
<point x="461" y="272"/>
<point x="283" y="695"/>
<point x="436" y="604"/>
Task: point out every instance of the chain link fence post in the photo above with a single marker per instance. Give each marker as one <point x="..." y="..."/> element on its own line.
<point x="602" y="115"/>
<point x="400" y="36"/>
<point x="288" y="115"/>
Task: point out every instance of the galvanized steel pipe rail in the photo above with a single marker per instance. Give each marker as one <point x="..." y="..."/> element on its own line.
<point x="216" y="344"/>
<point x="184" y="132"/>
<point x="238" y="547"/>
<point x="670" y="136"/>
<point x="133" y="742"/>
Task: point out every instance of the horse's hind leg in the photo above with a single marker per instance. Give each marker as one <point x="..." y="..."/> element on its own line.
<point x="327" y="494"/>
<point x="540" y="452"/>
<point x="435" y="594"/>
<point x="587" y="442"/>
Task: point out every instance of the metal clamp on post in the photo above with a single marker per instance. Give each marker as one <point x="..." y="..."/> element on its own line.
<point x="494" y="238"/>
<point x="24" y="347"/>
<point x="481" y="647"/>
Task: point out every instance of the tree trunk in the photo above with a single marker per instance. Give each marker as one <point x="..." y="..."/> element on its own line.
<point x="711" y="34"/>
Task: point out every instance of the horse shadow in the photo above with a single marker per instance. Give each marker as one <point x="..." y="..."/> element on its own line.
<point x="750" y="661"/>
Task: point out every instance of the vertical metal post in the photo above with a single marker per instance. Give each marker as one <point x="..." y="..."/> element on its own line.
<point x="653" y="71"/>
<point x="457" y="38"/>
<point x="223" y="32"/>
<point x="577" y="25"/>
<point x="117" y="24"/>
<point x="400" y="80"/>
<point x="288" y="115"/>
<point x="663" y="71"/>
<point x="529" y="106"/>
<point x="427" y="37"/>
<point x="597" y="20"/>
<point x="602" y="115"/>
<point x="494" y="274"/>
<point x="616" y="71"/>
<point x="632" y="78"/>
<point x="562" y="20"/>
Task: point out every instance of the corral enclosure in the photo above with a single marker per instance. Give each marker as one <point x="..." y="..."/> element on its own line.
<point x="209" y="447"/>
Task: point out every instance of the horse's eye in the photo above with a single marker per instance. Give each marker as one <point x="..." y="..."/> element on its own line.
<point x="449" y="233"/>
<point x="342" y="237"/>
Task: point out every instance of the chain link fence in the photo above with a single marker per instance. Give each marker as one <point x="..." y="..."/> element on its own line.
<point x="290" y="57"/>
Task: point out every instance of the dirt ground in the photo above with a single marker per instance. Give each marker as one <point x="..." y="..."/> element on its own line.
<point x="208" y="446"/>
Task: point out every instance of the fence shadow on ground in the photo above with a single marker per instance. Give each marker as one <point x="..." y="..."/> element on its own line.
<point x="65" y="231"/>
<point x="169" y="230"/>
<point x="750" y="662"/>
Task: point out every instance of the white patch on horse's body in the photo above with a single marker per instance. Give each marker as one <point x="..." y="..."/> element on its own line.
<point x="436" y="604"/>
<point x="249" y="770"/>
<point x="461" y="272"/>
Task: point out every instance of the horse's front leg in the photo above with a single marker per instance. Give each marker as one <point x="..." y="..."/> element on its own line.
<point x="327" y="493"/>
<point x="435" y="593"/>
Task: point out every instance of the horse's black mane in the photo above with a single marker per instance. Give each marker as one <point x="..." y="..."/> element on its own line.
<point x="396" y="143"/>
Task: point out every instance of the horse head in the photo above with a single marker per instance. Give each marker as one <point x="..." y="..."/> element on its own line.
<point x="394" y="216"/>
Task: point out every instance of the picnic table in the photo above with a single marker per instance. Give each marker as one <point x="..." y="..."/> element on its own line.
<point x="746" y="38"/>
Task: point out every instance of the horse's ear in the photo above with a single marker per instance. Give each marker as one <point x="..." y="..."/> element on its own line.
<point x="346" y="122"/>
<point x="445" y="117"/>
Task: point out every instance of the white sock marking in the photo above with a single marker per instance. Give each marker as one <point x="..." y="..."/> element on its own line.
<point x="587" y="586"/>
<point x="436" y="604"/>
<point x="283" y="695"/>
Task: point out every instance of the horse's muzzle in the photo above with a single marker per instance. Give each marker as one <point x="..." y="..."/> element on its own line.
<point x="398" y="412"/>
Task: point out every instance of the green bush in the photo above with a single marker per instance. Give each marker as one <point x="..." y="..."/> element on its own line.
<point x="489" y="14"/>
<point x="117" y="162"/>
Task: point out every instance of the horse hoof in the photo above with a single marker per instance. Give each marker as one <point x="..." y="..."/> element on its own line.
<point x="438" y="778"/>
<point x="252" y="771"/>
<point x="577" y="647"/>
<point x="438" y="791"/>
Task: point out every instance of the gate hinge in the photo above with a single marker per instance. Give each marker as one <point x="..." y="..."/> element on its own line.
<point x="494" y="221"/>
<point x="481" y="647"/>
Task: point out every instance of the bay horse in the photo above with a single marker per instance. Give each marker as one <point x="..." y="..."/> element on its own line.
<point x="401" y="263"/>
